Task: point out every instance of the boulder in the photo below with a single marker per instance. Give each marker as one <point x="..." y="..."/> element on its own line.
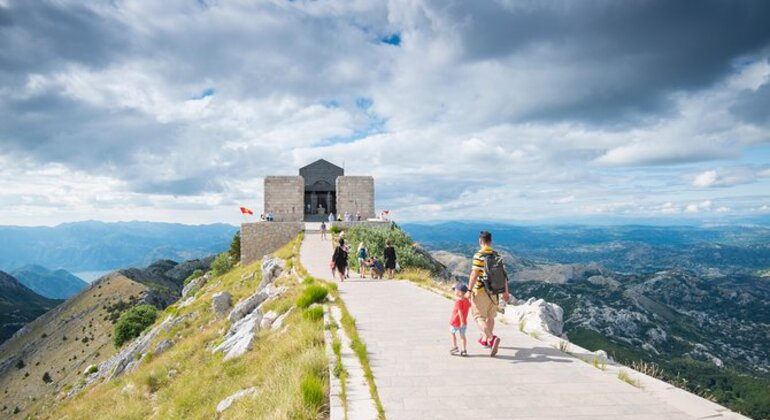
<point x="220" y="303"/>
<point x="271" y="270"/>
<point x="279" y="321"/>
<point x="537" y="315"/>
<point x="246" y="306"/>
<point x="195" y="284"/>
<point x="163" y="346"/>
<point x="268" y="319"/>
<point x="227" y="402"/>
<point x="240" y="337"/>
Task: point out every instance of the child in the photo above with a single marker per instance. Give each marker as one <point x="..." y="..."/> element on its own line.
<point x="459" y="319"/>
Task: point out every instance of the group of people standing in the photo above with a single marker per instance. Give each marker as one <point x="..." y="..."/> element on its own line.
<point x="340" y="262"/>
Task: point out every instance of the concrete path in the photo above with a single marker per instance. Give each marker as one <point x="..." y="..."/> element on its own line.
<point x="406" y="332"/>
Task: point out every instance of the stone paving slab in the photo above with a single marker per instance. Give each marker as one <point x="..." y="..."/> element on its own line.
<point x="406" y="331"/>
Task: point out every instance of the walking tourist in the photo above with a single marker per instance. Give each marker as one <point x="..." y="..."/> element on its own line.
<point x="331" y="217"/>
<point x="323" y="230"/>
<point x="362" y="257"/>
<point x="390" y="259"/>
<point x="340" y="260"/>
<point x="458" y="320"/>
<point x="487" y="280"/>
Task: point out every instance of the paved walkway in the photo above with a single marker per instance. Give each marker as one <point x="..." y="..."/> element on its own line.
<point x="406" y="332"/>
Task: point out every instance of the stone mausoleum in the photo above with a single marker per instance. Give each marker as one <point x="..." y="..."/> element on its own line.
<point x="320" y="188"/>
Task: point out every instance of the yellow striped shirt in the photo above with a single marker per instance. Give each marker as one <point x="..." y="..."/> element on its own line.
<point x="478" y="265"/>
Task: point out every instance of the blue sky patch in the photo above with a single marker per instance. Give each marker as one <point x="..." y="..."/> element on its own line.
<point x="210" y="91"/>
<point x="392" y="39"/>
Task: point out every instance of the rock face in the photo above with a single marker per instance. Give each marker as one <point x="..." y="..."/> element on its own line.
<point x="227" y="402"/>
<point x="195" y="284"/>
<point x="240" y="337"/>
<point x="278" y="323"/>
<point x="268" y="319"/>
<point x="271" y="270"/>
<point x="537" y="315"/>
<point x="246" y="306"/>
<point x="220" y="303"/>
<point x="163" y="346"/>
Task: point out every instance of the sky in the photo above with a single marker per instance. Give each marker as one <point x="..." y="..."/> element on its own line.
<point x="504" y="110"/>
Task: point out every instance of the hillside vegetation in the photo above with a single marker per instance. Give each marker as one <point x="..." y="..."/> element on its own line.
<point x="19" y="305"/>
<point x="283" y="374"/>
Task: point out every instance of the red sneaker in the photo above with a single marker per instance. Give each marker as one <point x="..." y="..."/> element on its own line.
<point x="483" y="342"/>
<point x="494" y="345"/>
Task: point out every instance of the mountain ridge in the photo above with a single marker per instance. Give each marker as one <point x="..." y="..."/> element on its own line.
<point x="53" y="284"/>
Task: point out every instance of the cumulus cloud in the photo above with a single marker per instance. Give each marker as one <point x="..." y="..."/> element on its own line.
<point x="185" y="105"/>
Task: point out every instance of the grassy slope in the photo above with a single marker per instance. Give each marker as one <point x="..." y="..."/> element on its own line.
<point x="44" y="347"/>
<point x="187" y="381"/>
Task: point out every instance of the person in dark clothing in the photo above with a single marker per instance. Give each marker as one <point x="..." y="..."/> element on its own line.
<point x="390" y="259"/>
<point x="340" y="259"/>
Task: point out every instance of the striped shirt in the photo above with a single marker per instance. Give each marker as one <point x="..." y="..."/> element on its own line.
<point x="479" y="259"/>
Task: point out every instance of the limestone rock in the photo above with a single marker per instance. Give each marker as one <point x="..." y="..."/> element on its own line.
<point x="227" y="402"/>
<point x="196" y="284"/>
<point x="268" y="319"/>
<point x="220" y="303"/>
<point x="240" y="337"/>
<point x="537" y="315"/>
<point x="163" y="346"/>
<point x="279" y="321"/>
<point x="271" y="270"/>
<point x="246" y="306"/>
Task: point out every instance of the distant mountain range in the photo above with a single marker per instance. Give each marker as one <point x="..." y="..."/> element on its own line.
<point x="56" y="284"/>
<point x="95" y="246"/>
<point x="19" y="305"/>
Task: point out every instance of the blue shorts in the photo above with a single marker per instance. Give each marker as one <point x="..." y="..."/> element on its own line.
<point x="455" y="330"/>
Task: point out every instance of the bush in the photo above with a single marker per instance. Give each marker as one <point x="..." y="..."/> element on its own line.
<point x="132" y="322"/>
<point x="335" y="229"/>
<point x="195" y="274"/>
<point x="47" y="378"/>
<point x="312" y="391"/>
<point x="221" y="264"/>
<point x="374" y="239"/>
<point x="314" y="314"/>
<point x="312" y="294"/>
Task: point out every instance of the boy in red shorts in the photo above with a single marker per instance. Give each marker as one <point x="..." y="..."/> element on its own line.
<point x="458" y="320"/>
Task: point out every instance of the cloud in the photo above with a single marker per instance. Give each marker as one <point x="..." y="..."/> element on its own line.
<point x="726" y="177"/>
<point x="182" y="105"/>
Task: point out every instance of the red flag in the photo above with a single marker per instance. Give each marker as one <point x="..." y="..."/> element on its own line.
<point x="244" y="210"/>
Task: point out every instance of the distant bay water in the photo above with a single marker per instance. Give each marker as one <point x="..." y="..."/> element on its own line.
<point x="90" y="276"/>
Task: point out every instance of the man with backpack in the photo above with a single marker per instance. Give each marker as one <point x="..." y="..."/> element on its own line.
<point x="487" y="281"/>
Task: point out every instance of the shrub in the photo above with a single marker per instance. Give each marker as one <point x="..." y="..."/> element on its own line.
<point x="312" y="294"/>
<point x="92" y="370"/>
<point x="132" y="322"/>
<point x="20" y="364"/>
<point x="235" y="247"/>
<point x="195" y="274"/>
<point x="335" y="229"/>
<point x="314" y="314"/>
<point x="312" y="391"/>
<point x="308" y="281"/>
<point x="374" y="239"/>
<point x="221" y="264"/>
<point x="47" y="378"/>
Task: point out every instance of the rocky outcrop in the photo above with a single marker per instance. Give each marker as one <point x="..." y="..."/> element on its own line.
<point x="537" y="315"/>
<point x="162" y="347"/>
<point x="247" y="306"/>
<point x="271" y="270"/>
<point x="278" y="323"/>
<point x="227" y="402"/>
<point x="195" y="284"/>
<point x="268" y="319"/>
<point x="220" y="303"/>
<point x="240" y="336"/>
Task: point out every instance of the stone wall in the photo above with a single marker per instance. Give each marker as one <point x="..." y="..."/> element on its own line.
<point x="355" y="194"/>
<point x="262" y="238"/>
<point x="285" y="198"/>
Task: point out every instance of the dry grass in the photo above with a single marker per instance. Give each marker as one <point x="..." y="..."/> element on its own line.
<point x="187" y="381"/>
<point x="624" y="376"/>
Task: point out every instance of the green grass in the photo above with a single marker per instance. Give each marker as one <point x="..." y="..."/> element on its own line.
<point x="315" y="313"/>
<point x="313" y="393"/>
<point x="312" y="294"/>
